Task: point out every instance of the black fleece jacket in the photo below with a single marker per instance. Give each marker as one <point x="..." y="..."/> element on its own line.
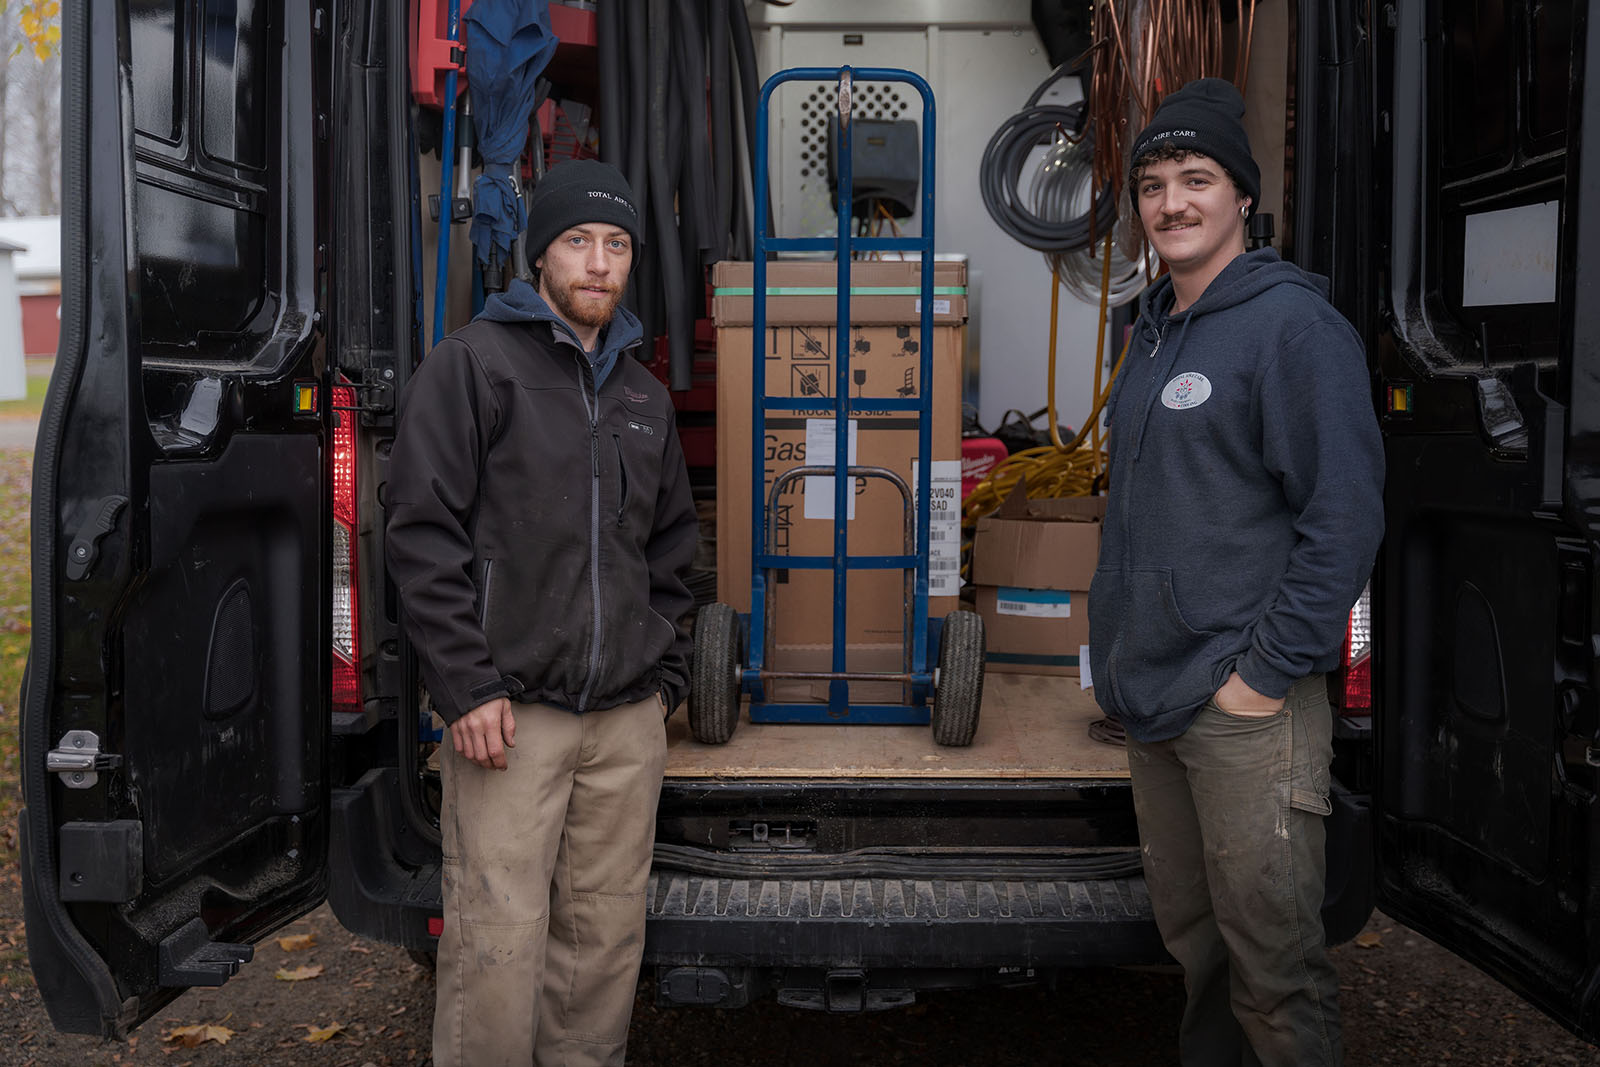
<point x="540" y="525"/>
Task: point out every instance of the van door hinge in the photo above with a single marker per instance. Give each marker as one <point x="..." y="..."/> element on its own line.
<point x="375" y="397"/>
<point x="78" y="760"/>
<point x="85" y="547"/>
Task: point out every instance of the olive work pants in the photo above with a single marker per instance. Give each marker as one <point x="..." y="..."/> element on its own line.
<point x="545" y="866"/>
<point x="1231" y="822"/>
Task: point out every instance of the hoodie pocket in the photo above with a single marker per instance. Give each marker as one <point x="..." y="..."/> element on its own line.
<point x="1157" y="661"/>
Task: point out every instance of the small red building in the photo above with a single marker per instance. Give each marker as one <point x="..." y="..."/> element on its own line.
<point x="38" y="270"/>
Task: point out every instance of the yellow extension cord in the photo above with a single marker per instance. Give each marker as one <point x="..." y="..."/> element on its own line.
<point x="1059" y="468"/>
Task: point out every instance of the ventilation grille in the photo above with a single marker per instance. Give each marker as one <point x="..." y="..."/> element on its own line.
<point x="868" y="100"/>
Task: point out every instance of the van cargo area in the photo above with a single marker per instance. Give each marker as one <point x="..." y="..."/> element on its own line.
<point x="1031" y="727"/>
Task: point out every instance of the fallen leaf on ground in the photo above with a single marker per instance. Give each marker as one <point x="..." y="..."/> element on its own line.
<point x="1369" y="940"/>
<point x="321" y="1033"/>
<point x="199" y="1034"/>
<point x="299" y="974"/>
<point x="296" y="942"/>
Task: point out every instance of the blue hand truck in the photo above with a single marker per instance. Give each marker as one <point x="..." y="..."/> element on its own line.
<point x="733" y="652"/>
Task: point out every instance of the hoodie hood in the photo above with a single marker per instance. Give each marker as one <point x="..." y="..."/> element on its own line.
<point x="1245" y="277"/>
<point x="521" y="302"/>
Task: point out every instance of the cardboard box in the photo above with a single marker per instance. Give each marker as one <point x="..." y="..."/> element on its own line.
<point x="799" y="348"/>
<point x="1033" y="631"/>
<point x="1032" y="562"/>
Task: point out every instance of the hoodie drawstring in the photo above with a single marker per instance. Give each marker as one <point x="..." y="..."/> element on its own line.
<point x="1158" y="381"/>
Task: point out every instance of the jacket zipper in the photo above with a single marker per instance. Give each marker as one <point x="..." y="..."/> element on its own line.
<point x="592" y="411"/>
<point x="622" y="471"/>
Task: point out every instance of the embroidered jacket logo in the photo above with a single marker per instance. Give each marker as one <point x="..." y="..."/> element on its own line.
<point x="634" y="395"/>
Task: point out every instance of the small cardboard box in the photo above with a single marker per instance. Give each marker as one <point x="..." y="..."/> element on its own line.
<point x="798" y="351"/>
<point x="1032" y="562"/>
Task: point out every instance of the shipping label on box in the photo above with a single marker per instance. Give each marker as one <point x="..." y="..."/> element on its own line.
<point x="944" y="525"/>
<point x="1033" y="603"/>
<point x="821" y="441"/>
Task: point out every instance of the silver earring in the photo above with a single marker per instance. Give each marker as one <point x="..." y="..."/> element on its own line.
<point x="1244" y="210"/>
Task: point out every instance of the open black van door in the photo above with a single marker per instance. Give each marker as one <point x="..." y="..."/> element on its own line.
<point x="176" y="706"/>
<point x="1487" y="723"/>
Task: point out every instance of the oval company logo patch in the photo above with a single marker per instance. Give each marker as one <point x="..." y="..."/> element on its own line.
<point x="1187" y="390"/>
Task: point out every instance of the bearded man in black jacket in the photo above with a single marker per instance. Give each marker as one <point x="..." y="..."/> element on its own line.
<point x="540" y="528"/>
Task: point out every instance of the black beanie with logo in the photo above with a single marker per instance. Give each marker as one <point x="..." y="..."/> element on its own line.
<point x="576" y="192"/>
<point x="1205" y="116"/>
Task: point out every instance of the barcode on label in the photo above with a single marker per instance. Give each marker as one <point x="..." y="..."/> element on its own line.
<point x="941" y="535"/>
<point x="1036" y="603"/>
<point x="944" y="564"/>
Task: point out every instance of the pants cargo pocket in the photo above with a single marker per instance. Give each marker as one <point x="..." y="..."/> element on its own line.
<point x="1313" y="746"/>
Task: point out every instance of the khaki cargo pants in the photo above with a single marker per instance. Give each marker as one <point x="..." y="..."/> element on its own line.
<point x="1230" y="819"/>
<point x="545" y="865"/>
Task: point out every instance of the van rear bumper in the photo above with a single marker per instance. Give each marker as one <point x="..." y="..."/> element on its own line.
<point x="900" y="923"/>
<point x="992" y="912"/>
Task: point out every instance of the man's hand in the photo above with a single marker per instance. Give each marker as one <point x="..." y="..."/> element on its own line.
<point x="1237" y="698"/>
<point x="478" y="733"/>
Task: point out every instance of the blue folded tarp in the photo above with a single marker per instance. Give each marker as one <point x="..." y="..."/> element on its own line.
<point x="508" y="44"/>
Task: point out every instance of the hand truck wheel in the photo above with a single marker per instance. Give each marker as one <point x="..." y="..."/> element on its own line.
<point x="714" y="683"/>
<point x="960" y="688"/>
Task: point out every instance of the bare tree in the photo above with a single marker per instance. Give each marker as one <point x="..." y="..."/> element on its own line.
<point x="43" y="103"/>
<point x="11" y="63"/>
<point x="30" y="126"/>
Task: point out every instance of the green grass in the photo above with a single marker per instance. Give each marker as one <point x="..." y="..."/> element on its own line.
<point x="16" y="475"/>
<point x="31" y="404"/>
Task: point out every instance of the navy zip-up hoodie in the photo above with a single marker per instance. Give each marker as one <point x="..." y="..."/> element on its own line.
<point x="1246" y="497"/>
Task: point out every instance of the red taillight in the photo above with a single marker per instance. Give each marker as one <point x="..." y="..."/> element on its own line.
<point x="346" y="621"/>
<point x="1355" y="670"/>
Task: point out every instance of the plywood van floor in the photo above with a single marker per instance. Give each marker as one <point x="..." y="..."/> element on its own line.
<point x="1029" y="727"/>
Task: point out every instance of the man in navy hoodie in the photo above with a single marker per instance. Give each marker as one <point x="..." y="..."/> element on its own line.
<point x="1245" y="510"/>
<point x="540" y="529"/>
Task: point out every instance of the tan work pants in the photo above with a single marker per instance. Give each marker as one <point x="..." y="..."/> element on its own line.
<point x="545" y="865"/>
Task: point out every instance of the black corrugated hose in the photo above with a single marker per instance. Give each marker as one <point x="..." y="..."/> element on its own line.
<point x="744" y="49"/>
<point x="663" y="192"/>
<point x="717" y="46"/>
<point x="666" y="72"/>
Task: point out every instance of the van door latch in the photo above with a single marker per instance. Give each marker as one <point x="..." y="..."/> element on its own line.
<point x="85" y="546"/>
<point x="78" y="759"/>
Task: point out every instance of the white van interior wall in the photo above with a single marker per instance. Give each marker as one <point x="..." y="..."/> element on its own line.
<point x="982" y="60"/>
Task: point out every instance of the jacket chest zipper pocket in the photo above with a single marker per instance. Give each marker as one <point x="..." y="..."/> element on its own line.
<point x="622" y="475"/>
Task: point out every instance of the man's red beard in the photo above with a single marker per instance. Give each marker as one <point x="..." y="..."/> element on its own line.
<point x="583" y="310"/>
